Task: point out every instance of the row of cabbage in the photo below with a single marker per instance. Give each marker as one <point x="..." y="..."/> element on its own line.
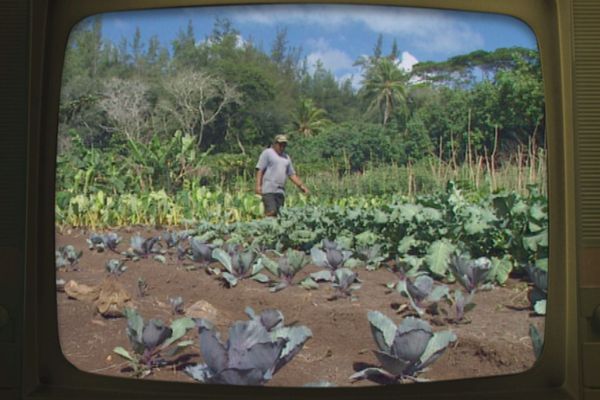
<point x="509" y="229"/>
<point x="257" y="348"/>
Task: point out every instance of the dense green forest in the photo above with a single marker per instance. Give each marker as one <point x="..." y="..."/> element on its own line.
<point x="138" y="116"/>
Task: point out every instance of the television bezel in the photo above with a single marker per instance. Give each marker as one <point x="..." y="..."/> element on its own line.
<point x="48" y="374"/>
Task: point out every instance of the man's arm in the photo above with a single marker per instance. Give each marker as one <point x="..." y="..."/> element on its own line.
<point x="259" y="177"/>
<point x="298" y="182"/>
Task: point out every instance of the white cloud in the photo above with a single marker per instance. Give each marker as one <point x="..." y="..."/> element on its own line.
<point x="332" y="59"/>
<point x="433" y="31"/>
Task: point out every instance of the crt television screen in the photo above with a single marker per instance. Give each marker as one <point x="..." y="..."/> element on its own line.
<point x="301" y="195"/>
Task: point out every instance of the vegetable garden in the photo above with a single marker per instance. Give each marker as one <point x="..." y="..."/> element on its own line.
<point x="366" y="293"/>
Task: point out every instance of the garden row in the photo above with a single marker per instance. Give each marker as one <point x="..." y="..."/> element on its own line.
<point x="403" y="351"/>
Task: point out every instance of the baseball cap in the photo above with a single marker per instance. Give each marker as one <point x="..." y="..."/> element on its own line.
<point x="281" y="139"/>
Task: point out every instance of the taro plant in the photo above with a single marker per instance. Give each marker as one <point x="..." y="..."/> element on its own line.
<point x="67" y="257"/>
<point x="539" y="291"/>
<point x="152" y="342"/>
<point x="285" y="268"/>
<point x="239" y="264"/>
<point x="422" y="293"/>
<point x="345" y="281"/>
<point x="115" y="267"/>
<point x="100" y="243"/>
<point x="255" y="349"/>
<point x="404" y="351"/>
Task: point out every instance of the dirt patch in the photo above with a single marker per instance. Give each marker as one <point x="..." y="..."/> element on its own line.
<point x="495" y="341"/>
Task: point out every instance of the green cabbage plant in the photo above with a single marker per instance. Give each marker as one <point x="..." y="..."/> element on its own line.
<point x="404" y="351"/>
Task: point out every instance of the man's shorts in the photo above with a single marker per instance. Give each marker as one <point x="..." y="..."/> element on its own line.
<point x="273" y="202"/>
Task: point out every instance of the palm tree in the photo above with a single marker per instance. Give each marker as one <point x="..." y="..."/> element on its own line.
<point x="384" y="88"/>
<point x="309" y="119"/>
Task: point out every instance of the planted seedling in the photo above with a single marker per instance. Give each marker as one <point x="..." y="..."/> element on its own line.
<point x="176" y="305"/>
<point x="422" y="292"/>
<point x="345" y="282"/>
<point x="255" y="350"/>
<point x="142" y="287"/>
<point x="404" y="351"/>
<point x="152" y="342"/>
<point x="67" y="257"/>
<point x="99" y="243"/>
<point x="461" y="304"/>
<point x="115" y="267"/>
<point x="285" y="268"/>
<point x="239" y="264"/>
<point x="539" y="291"/>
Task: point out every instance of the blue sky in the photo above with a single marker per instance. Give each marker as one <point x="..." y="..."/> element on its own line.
<point x="336" y="34"/>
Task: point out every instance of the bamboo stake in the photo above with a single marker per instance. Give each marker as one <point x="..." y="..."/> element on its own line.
<point x="469" y="155"/>
<point x="519" y="169"/>
<point x="494" y="158"/>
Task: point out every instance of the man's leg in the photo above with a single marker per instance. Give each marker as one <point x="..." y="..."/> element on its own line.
<point x="279" y="199"/>
<point x="270" y="203"/>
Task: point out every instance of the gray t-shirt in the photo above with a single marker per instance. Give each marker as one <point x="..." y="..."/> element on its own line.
<point x="276" y="170"/>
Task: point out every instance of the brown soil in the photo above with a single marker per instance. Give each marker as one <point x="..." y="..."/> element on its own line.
<point x="495" y="341"/>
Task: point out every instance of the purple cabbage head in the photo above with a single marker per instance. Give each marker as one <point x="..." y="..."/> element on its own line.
<point x="254" y="351"/>
<point x="470" y="273"/>
<point x="405" y="350"/>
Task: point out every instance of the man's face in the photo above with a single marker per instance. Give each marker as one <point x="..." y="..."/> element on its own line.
<point x="280" y="147"/>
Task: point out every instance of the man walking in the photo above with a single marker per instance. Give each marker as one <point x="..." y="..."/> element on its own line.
<point x="272" y="170"/>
